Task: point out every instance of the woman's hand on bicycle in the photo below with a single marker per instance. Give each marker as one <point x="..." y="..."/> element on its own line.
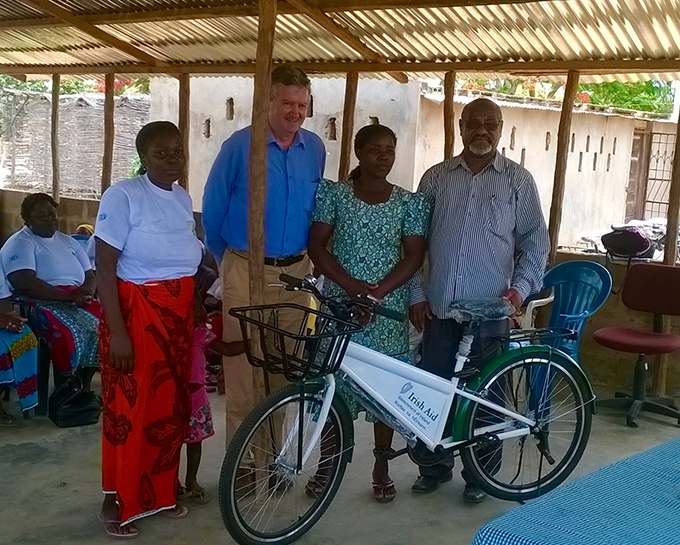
<point x="358" y="288"/>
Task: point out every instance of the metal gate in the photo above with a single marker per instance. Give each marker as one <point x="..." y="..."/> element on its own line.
<point x="659" y="181"/>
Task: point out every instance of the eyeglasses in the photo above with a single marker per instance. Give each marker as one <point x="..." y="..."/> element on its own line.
<point x="489" y="126"/>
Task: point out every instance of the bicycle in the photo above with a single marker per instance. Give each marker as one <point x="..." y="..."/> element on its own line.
<point x="520" y="424"/>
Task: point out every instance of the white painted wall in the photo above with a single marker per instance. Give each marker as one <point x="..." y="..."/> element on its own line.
<point x="394" y="104"/>
<point x="594" y="199"/>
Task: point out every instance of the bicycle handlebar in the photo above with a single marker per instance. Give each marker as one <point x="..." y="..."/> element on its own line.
<point x="371" y="303"/>
<point x="389" y="313"/>
<point x="291" y="281"/>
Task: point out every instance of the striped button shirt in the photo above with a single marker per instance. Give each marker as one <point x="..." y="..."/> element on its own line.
<point x="487" y="233"/>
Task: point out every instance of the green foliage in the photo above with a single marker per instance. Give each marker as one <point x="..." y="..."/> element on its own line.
<point x="140" y="86"/>
<point x="136" y="168"/>
<point x="75" y="87"/>
<point x="646" y="96"/>
<point x="7" y="82"/>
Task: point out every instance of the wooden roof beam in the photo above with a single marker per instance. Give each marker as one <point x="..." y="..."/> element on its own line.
<point x="47" y="6"/>
<point x="597" y="67"/>
<point x="188" y="14"/>
<point x="342" y="34"/>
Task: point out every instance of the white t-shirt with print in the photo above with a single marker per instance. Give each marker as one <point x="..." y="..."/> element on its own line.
<point x="153" y="228"/>
<point x="58" y="260"/>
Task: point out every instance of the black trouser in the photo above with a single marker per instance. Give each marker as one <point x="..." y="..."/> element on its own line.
<point x="440" y="344"/>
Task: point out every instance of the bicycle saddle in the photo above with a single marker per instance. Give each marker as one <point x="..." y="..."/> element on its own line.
<point x="479" y="310"/>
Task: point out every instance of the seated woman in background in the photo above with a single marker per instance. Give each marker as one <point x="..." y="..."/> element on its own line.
<point x="18" y="356"/>
<point x="51" y="271"/>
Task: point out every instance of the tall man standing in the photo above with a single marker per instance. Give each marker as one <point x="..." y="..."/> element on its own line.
<point x="295" y="163"/>
<point x="487" y="238"/>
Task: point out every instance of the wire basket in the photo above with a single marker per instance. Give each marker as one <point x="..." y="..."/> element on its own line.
<point x="314" y="349"/>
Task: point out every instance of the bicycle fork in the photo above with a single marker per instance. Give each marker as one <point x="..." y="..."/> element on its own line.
<point x="296" y="433"/>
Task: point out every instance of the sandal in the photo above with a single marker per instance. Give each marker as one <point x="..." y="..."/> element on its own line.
<point x="177" y="512"/>
<point x="199" y="496"/>
<point x="7" y="420"/>
<point x="112" y="529"/>
<point x="316" y="485"/>
<point x="384" y="492"/>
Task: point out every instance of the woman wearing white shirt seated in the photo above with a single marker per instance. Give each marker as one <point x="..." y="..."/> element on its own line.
<point x="147" y="255"/>
<point x="52" y="272"/>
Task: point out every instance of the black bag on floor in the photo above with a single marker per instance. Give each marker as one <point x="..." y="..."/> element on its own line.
<point x="70" y="405"/>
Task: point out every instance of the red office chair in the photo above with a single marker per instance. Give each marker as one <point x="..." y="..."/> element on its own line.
<point x="647" y="288"/>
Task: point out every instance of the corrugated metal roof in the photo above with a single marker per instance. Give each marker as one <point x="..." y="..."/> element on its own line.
<point x="559" y="30"/>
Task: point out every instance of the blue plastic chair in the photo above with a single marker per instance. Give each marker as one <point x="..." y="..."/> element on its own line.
<point x="580" y="290"/>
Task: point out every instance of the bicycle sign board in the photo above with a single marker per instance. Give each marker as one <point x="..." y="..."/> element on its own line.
<point x="421" y="399"/>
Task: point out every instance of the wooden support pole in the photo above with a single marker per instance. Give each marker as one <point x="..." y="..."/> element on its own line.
<point x="54" y="136"/>
<point x="258" y="148"/>
<point x="185" y="122"/>
<point x="351" y="85"/>
<point x="561" y="162"/>
<point x="109" y="132"/>
<point x="662" y="324"/>
<point x="449" y="117"/>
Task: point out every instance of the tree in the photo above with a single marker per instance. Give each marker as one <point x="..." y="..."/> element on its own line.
<point x="646" y="96"/>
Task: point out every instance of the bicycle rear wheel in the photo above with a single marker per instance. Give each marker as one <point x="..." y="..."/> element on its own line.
<point x="263" y="499"/>
<point x="550" y="389"/>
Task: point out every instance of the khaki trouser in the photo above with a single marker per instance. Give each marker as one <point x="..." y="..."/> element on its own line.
<point x="244" y="384"/>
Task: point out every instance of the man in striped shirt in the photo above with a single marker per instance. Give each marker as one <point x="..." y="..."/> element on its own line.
<point x="487" y="238"/>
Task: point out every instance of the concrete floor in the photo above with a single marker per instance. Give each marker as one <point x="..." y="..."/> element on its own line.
<point x="50" y="489"/>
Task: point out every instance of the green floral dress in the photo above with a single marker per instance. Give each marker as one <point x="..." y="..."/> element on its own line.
<point x="366" y="242"/>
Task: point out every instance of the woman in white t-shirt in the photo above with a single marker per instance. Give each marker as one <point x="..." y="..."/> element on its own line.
<point x="52" y="272"/>
<point x="147" y="255"/>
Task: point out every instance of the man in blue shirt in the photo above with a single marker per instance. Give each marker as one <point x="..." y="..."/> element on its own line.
<point x="295" y="163"/>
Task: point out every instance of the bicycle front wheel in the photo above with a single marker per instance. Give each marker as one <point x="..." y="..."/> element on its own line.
<point x="549" y="389"/>
<point x="264" y="498"/>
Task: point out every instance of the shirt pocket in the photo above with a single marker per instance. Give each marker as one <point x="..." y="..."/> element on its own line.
<point x="502" y="218"/>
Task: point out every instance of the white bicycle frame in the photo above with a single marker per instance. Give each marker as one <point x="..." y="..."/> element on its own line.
<point x="419" y="400"/>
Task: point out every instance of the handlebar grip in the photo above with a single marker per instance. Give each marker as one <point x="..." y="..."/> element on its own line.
<point x="389" y="313"/>
<point x="291" y="281"/>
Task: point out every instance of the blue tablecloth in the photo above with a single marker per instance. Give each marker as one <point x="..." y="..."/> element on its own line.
<point x="632" y="502"/>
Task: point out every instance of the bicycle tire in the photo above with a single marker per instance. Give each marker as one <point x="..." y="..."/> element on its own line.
<point x="233" y="500"/>
<point x="491" y="468"/>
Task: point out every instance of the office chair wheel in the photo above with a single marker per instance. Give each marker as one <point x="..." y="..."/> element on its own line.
<point x="630" y="422"/>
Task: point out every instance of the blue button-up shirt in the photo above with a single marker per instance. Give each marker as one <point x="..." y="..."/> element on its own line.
<point x="487" y="233"/>
<point x="292" y="180"/>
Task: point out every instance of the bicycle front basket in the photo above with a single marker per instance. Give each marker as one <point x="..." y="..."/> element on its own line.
<point x="297" y="341"/>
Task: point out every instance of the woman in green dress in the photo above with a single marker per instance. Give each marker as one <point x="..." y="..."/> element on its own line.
<point x="377" y="235"/>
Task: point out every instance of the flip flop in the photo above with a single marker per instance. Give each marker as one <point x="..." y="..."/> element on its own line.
<point x="200" y="497"/>
<point x="178" y="512"/>
<point x="114" y="535"/>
